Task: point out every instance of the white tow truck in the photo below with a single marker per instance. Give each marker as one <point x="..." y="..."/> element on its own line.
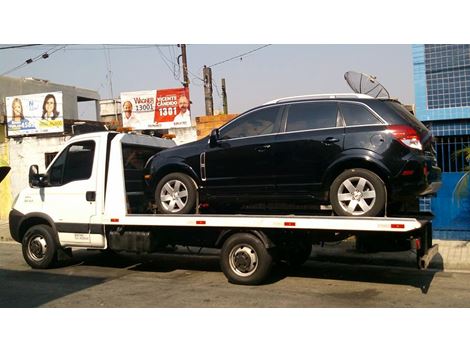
<point x="92" y="196"/>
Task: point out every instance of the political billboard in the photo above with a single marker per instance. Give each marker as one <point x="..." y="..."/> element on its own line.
<point x="173" y="109"/>
<point x="34" y="114"/>
<point x="156" y="109"/>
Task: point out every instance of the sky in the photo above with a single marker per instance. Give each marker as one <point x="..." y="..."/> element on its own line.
<point x="273" y="71"/>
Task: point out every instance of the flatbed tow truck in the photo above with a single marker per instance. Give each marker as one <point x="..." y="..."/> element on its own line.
<point x="92" y="196"/>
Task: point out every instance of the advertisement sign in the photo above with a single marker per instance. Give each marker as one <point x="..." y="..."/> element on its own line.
<point x="156" y="109"/>
<point x="173" y="108"/>
<point x="138" y="109"/>
<point x="34" y="114"/>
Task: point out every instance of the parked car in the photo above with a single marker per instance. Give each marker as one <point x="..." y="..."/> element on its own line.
<point x="349" y="152"/>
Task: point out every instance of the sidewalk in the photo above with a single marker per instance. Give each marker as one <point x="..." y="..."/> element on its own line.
<point x="452" y="255"/>
<point x="4" y="231"/>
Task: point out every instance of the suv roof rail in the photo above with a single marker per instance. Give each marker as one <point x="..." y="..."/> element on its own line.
<point x="320" y="96"/>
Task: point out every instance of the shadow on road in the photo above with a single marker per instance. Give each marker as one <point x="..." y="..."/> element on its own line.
<point x="358" y="273"/>
<point x="347" y="269"/>
<point x="29" y="289"/>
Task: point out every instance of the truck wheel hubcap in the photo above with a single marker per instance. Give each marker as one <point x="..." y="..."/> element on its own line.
<point x="243" y="260"/>
<point x="174" y="196"/>
<point x="37" y="248"/>
<point x="356" y="195"/>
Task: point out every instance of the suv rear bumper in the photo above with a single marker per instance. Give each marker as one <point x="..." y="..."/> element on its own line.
<point x="424" y="180"/>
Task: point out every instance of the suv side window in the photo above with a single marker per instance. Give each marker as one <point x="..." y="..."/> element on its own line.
<point x="356" y="114"/>
<point x="310" y="116"/>
<point x="256" y="123"/>
<point x="73" y="164"/>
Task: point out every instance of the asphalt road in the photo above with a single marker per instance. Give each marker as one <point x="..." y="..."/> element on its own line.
<point x="94" y="279"/>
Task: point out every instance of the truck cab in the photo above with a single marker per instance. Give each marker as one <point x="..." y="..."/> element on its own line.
<point x="71" y="198"/>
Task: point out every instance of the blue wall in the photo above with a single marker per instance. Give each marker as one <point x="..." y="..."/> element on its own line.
<point x="452" y="214"/>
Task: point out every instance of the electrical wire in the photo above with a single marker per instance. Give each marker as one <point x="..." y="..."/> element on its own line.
<point x="18" y="46"/>
<point x="167" y="63"/>
<point x="109" y="74"/>
<point x="44" y="55"/>
<point x="239" y="56"/>
<point x="119" y="47"/>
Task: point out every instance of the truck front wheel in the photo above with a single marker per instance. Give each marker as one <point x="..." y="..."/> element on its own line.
<point x="39" y="247"/>
<point x="245" y="260"/>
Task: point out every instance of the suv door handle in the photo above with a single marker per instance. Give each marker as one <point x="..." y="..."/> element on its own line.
<point x="263" y="148"/>
<point x="330" y="140"/>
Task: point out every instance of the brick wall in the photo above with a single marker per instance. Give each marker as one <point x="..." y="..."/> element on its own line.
<point x="205" y="124"/>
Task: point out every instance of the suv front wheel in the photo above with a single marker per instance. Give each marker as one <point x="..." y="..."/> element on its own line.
<point x="357" y="192"/>
<point x="176" y="194"/>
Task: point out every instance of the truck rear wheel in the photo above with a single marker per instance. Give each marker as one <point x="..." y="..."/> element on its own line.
<point x="39" y="247"/>
<point x="245" y="260"/>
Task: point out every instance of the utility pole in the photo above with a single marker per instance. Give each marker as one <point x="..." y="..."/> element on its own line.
<point x="224" y="97"/>
<point x="185" y="65"/>
<point x="207" y="74"/>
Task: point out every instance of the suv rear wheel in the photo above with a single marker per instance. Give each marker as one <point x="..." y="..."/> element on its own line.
<point x="357" y="192"/>
<point x="176" y="194"/>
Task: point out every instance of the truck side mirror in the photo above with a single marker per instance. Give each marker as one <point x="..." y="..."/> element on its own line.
<point x="214" y="138"/>
<point x="35" y="178"/>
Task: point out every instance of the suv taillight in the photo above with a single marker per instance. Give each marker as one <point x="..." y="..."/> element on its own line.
<point x="406" y="135"/>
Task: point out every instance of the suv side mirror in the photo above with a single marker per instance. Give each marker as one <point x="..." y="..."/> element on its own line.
<point x="35" y="178"/>
<point x="214" y="138"/>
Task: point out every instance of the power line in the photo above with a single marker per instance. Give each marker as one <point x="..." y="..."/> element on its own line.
<point x="239" y="56"/>
<point x="167" y="63"/>
<point x="18" y="46"/>
<point x="120" y="47"/>
<point x="44" y="55"/>
<point x="109" y="75"/>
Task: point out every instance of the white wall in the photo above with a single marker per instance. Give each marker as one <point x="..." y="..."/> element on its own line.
<point x="27" y="151"/>
<point x="184" y="135"/>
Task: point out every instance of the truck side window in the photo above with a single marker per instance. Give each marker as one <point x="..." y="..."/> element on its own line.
<point x="75" y="163"/>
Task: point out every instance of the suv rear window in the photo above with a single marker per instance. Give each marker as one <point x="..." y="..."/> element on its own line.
<point x="310" y="116"/>
<point x="356" y="114"/>
<point x="400" y="109"/>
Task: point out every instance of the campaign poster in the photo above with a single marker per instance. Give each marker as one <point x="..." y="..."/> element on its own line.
<point x="34" y="114"/>
<point x="138" y="109"/>
<point x="173" y="108"/>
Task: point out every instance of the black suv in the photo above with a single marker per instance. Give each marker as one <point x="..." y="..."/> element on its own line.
<point x="350" y="153"/>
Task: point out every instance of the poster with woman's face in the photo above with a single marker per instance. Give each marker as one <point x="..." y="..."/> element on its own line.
<point x="34" y="114"/>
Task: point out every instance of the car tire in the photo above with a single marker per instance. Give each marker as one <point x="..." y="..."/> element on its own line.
<point x="176" y="193"/>
<point x="245" y="260"/>
<point x="39" y="247"/>
<point x="358" y="192"/>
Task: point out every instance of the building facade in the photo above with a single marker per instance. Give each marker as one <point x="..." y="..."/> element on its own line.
<point x="442" y="94"/>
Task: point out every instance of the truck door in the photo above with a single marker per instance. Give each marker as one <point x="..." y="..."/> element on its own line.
<point x="70" y="195"/>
